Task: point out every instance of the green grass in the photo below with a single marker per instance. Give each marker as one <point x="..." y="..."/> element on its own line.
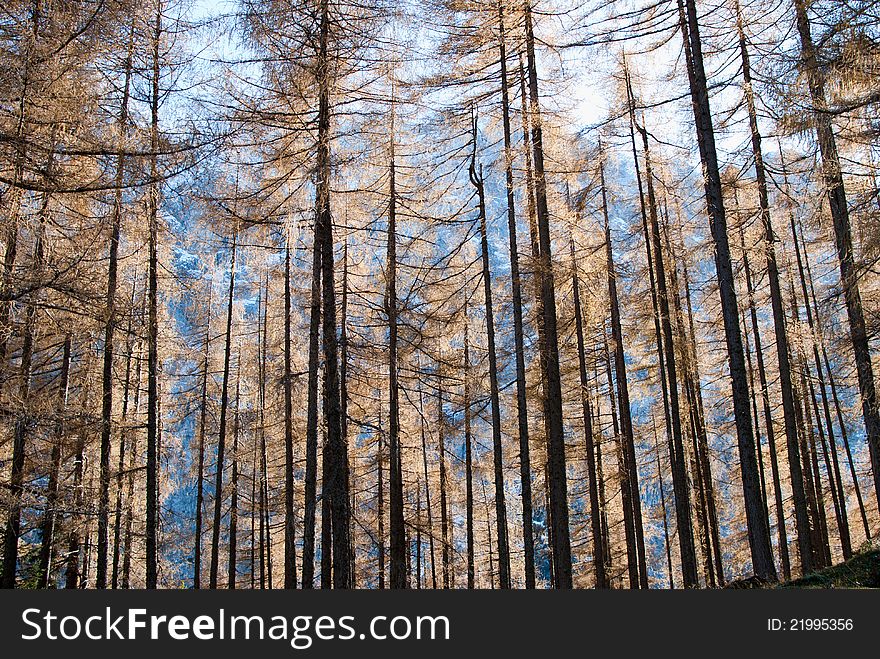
<point x="861" y="571"/>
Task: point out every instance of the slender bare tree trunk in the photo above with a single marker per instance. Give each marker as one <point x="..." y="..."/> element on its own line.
<point x="590" y="449"/>
<point x="395" y="477"/>
<point x="200" y="477"/>
<point x="468" y="457"/>
<point x="476" y="177"/>
<point x="232" y="565"/>
<point x="522" y="412"/>
<point x="50" y="517"/>
<point x="837" y="202"/>
<point x="152" y="530"/>
<point x="630" y="487"/>
<point x="558" y="485"/>
<point x="758" y="531"/>
<point x="224" y="411"/>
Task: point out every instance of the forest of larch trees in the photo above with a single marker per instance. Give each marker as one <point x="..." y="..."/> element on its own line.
<point x="437" y="293"/>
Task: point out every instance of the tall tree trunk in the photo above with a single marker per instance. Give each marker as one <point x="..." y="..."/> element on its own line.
<point x="75" y="549"/>
<point x="561" y="539"/>
<point x="110" y="329"/>
<point x="833" y="466"/>
<point x="200" y="477"/>
<point x="123" y="448"/>
<point x="500" y="500"/>
<point x="224" y="411"/>
<point x="427" y="489"/>
<point x="468" y="457"/>
<point x="634" y="575"/>
<point x="782" y="350"/>
<point x="289" y="511"/>
<point x="441" y="454"/>
<point x="590" y="449"/>
<point x="679" y="468"/>
<point x="265" y="526"/>
<point x="133" y="455"/>
<point x="152" y="530"/>
<point x="380" y="507"/>
<point x="666" y="545"/>
<point x="311" y="474"/>
<point x="50" y="518"/>
<point x="326" y="520"/>
<point x="395" y="477"/>
<point x="758" y="531"/>
<point x="837" y="202"/>
<point x="336" y="488"/>
<point x="630" y="488"/>
<point x="232" y="564"/>
<point x="522" y="412"/>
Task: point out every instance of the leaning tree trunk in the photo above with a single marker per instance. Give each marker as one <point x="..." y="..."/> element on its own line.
<point x="679" y="468"/>
<point x="849" y="272"/>
<point x="805" y="548"/>
<point x="756" y="522"/>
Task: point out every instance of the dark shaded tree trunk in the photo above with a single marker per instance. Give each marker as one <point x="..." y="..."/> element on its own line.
<point x="634" y="575"/>
<point x="500" y="500"/>
<point x="109" y="332"/>
<point x="630" y="487"/>
<point x="679" y="468"/>
<point x="522" y="412"/>
<point x="589" y="447"/>
<point x="224" y="412"/>
<point x="152" y="530"/>
<point x="336" y="487"/>
<point x="380" y="507"/>
<point x="558" y="485"/>
<point x="832" y="465"/>
<point x="133" y="453"/>
<point x="782" y="351"/>
<point x="200" y="476"/>
<point x="395" y="477"/>
<point x="123" y="447"/>
<point x="758" y="531"/>
<point x="469" y="458"/>
<point x="441" y="455"/>
<point x="666" y="545"/>
<point x="311" y="474"/>
<point x="837" y="202"/>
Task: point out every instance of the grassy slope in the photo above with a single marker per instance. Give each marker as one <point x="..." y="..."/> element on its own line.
<point x="861" y="571"/>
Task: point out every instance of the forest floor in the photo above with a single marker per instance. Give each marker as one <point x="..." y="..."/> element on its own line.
<point x="860" y="571"/>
